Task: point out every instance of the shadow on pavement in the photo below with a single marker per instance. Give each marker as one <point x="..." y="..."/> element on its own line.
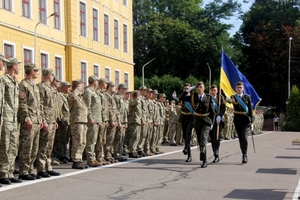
<point x="278" y="171"/>
<point x="257" y="194"/>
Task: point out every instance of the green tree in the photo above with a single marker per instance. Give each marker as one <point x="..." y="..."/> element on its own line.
<point x="292" y="122"/>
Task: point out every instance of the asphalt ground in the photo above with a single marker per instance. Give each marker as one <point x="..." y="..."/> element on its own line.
<point x="271" y="173"/>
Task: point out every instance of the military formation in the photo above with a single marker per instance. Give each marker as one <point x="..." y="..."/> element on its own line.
<point x="56" y="122"/>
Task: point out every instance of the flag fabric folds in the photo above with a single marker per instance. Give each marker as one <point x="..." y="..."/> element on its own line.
<point x="230" y="75"/>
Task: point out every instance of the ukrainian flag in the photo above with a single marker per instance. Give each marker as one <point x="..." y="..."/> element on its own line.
<point x="230" y="75"/>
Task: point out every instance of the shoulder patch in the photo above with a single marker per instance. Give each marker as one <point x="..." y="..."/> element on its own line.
<point x="22" y="95"/>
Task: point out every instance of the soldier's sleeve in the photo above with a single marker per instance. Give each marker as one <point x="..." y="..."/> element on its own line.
<point x="222" y="107"/>
<point x="42" y="98"/>
<point x="23" y="106"/>
<point x="1" y="97"/>
<point x="71" y="102"/>
<point x="249" y="105"/>
<point x="211" y="109"/>
<point x="88" y="101"/>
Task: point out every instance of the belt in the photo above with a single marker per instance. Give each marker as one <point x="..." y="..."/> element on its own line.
<point x="201" y="115"/>
<point x="240" y="113"/>
<point x="186" y="113"/>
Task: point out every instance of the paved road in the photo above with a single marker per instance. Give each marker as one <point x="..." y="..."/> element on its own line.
<point x="271" y="173"/>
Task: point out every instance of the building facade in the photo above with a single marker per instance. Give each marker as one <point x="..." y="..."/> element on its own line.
<point x="76" y="38"/>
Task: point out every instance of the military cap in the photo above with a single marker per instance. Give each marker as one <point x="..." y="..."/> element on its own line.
<point x="12" y="61"/>
<point x="55" y="78"/>
<point x="122" y="85"/>
<point x="92" y="78"/>
<point x="149" y="90"/>
<point x="47" y="71"/>
<point x="29" y="67"/>
<point x="155" y="91"/>
<point x="65" y="84"/>
<point x="200" y="83"/>
<point x="76" y="82"/>
<point x="109" y="83"/>
<point x="143" y="88"/>
<point x="2" y="57"/>
<point x="162" y="95"/>
<point x="102" y="80"/>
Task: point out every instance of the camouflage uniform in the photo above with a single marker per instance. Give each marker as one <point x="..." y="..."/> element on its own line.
<point x="162" y="117"/>
<point x="226" y="130"/>
<point x="48" y="114"/>
<point x="29" y="109"/>
<point x="111" y="129"/>
<point x="178" y="136"/>
<point x="149" y="135"/>
<point x="156" y="124"/>
<point x="134" y="124"/>
<point x="93" y="102"/>
<point x="122" y="120"/>
<point x="144" y="126"/>
<point x="173" y="121"/>
<point x="166" y="125"/>
<point x="56" y="153"/>
<point x="101" y="140"/>
<point x="9" y="133"/>
<point x="78" y="124"/>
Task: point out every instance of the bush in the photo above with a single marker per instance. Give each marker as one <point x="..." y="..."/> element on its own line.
<point x="292" y="122"/>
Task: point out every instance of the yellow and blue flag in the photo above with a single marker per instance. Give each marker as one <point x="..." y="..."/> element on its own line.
<point x="230" y="75"/>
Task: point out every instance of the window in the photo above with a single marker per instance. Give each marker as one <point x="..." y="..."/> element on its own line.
<point x="82" y="19"/>
<point x="83" y="73"/>
<point x="117" y="77"/>
<point x="116" y="33"/>
<point x="95" y="24"/>
<point x="9" y="51"/>
<point x="126" y="79"/>
<point x="26" y="8"/>
<point x="58" y="68"/>
<point x="106" y="30"/>
<point x="57" y="15"/>
<point x="44" y="61"/>
<point x="96" y="70"/>
<point x="125" y="36"/>
<point x="107" y="74"/>
<point x="42" y="10"/>
<point x="125" y="2"/>
<point x="27" y="56"/>
<point x="7" y="5"/>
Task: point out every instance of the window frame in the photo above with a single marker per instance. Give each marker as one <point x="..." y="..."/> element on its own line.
<point x="29" y="4"/>
<point x="126" y="80"/>
<point x="45" y="11"/>
<point x="61" y="71"/>
<point x="106" y="27"/>
<point x="107" y="69"/>
<point x="84" y="76"/>
<point x="57" y="16"/>
<point x="125" y="38"/>
<point x="116" y="34"/>
<point x="95" y="21"/>
<point x="47" y="60"/>
<point x="83" y="15"/>
<point x="97" y="71"/>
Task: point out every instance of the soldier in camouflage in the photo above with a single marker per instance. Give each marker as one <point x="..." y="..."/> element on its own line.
<point x="145" y="116"/>
<point x="31" y="123"/>
<point x="162" y="117"/>
<point x="93" y="102"/>
<point x="150" y="110"/>
<point x="9" y="133"/>
<point x="47" y="134"/>
<point x="78" y="123"/>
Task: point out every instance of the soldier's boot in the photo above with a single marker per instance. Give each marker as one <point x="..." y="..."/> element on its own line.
<point x="93" y="163"/>
<point x="189" y="158"/>
<point x="185" y="149"/>
<point x="244" y="157"/>
<point x="216" y="155"/>
<point x="203" y="156"/>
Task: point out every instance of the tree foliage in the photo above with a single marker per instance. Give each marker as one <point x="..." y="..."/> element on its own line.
<point x="292" y="122"/>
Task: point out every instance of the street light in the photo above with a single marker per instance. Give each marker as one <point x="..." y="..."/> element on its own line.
<point x="289" y="70"/>
<point x="143" y="69"/>
<point x="209" y="74"/>
<point x="35" y="33"/>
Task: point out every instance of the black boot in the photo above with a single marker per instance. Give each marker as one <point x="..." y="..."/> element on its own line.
<point x="204" y="164"/>
<point x="216" y="154"/>
<point x="244" y="159"/>
<point x="185" y="150"/>
<point x="189" y="158"/>
<point x="202" y="153"/>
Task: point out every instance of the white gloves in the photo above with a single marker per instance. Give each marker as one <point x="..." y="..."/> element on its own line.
<point x="218" y="119"/>
<point x="174" y="95"/>
<point x="228" y="99"/>
<point x="251" y="127"/>
<point x="211" y="127"/>
<point x="190" y="89"/>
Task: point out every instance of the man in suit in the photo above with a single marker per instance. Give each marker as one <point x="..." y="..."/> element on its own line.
<point x="204" y="114"/>
<point x="243" y="117"/>
<point x="219" y="106"/>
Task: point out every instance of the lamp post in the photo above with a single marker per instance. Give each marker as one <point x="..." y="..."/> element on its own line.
<point x="289" y="70"/>
<point x="35" y="33"/>
<point x="143" y="69"/>
<point x="209" y="74"/>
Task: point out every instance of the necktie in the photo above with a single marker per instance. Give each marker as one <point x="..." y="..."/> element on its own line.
<point x="200" y="98"/>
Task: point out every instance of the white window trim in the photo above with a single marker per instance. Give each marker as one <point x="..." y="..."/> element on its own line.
<point x="125" y="72"/>
<point x="10" y="43"/>
<point x="109" y="77"/>
<point x="30" y="10"/>
<point x="62" y="65"/>
<point x="60" y="15"/>
<point x="126" y="3"/>
<point x="46" y="13"/>
<point x="127" y="37"/>
<point x="48" y="60"/>
<point x="96" y="64"/>
<point x="99" y="39"/>
<point x="117" y="70"/>
<point x="105" y="13"/>
<point x="87" y="71"/>
<point x="12" y="6"/>
<point x="118" y="33"/>
<point x="86" y="19"/>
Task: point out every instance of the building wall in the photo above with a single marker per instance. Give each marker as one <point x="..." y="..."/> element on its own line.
<point x="67" y="43"/>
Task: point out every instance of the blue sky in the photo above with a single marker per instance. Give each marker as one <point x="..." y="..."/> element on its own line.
<point x="234" y="20"/>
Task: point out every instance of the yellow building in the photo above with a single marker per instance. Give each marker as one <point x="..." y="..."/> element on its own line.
<point x="76" y="38"/>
